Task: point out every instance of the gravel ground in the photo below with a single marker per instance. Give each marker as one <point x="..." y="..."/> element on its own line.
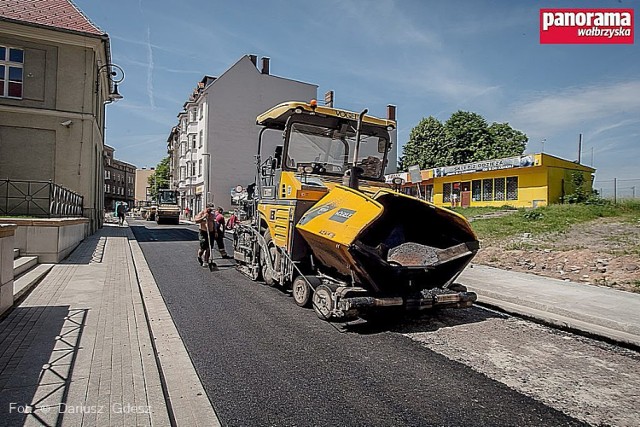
<point x="604" y="252"/>
<point x="592" y="381"/>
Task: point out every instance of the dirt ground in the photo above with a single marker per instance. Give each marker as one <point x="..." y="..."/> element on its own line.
<point x="604" y="252"/>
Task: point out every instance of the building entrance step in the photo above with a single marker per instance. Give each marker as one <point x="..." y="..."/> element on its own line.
<point x="26" y="281"/>
<point x="22" y="264"/>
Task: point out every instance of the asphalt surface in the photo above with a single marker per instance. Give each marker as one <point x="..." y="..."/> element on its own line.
<point x="265" y="361"/>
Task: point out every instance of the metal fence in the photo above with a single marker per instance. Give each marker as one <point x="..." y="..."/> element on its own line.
<point x="618" y="189"/>
<point x="43" y="199"/>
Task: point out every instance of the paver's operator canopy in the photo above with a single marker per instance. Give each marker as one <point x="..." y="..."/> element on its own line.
<point x="325" y="142"/>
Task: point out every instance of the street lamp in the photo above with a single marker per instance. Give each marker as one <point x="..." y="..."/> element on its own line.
<point x="206" y="178"/>
<point x="115" y="74"/>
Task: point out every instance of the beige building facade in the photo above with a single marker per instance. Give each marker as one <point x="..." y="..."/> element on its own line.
<point x="52" y="106"/>
<point x="142" y="185"/>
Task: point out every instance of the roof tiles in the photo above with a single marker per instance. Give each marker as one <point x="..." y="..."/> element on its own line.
<point x="60" y="14"/>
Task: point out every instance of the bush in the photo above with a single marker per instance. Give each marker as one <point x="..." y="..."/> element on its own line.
<point x="533" y="215"/>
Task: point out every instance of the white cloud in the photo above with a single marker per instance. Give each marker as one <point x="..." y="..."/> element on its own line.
<point x="567" y="108"/>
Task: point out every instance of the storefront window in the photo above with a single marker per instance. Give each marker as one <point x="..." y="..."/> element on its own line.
<point x="498" y="185"/>
<point x="428" y="193"/>
<point x="476" y="190"/>
<point x="512" y="188"/>
<point x="446" y="192"/>
<point x="487" y="189"/>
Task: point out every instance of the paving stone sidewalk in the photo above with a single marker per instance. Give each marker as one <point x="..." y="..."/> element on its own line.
<point x="77" y="351"/>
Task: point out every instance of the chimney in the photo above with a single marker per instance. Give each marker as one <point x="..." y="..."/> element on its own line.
<point x="254" y="59"/>
<point x="265" y="65"/>
<point x="391" y="112"/>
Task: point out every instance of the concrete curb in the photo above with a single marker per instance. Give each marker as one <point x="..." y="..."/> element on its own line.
<point x="187" y="398"/>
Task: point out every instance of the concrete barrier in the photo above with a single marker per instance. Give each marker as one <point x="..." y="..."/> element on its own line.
<point x="50" y="239"/>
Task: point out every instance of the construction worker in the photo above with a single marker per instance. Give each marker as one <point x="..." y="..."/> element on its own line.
<point x="121" y="210"/>
<point x="220" y="223"/>
<point x="206" y="223"/>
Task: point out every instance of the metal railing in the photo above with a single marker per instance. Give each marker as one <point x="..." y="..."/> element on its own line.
<point x="42" y="199"/>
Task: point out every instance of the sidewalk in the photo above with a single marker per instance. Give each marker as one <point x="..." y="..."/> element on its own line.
<point x="599" y="311"/>
<point x="93" y="345"/>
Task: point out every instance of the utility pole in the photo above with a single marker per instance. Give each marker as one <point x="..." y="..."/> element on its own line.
<point x="580" y="149"/>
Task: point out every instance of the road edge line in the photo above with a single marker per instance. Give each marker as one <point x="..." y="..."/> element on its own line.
<point x="187" y="398"/>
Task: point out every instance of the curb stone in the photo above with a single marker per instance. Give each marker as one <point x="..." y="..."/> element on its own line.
<point x="187" y="398"/>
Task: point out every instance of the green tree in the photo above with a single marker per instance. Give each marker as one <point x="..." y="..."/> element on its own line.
<point x="468" y="138"/>
<point x="159" y="178"/>
<point x="507" y="141"/>
<point x="465" y="137"/>
<point x="423" y="147"/>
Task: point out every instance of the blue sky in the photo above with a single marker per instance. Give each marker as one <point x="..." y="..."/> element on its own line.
<point x="427" y="57"/>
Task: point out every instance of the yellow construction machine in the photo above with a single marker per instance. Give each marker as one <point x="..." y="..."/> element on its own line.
<point x="167" y="209"/>
<point x="325" y="226"/>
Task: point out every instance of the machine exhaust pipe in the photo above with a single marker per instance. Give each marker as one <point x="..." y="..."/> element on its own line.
<point x="355" y="171"/>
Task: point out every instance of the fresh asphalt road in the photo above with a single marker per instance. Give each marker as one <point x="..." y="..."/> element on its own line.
<point x="265" y="361"/>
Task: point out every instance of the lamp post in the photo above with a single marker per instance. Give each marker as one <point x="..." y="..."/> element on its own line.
<point x="206" y="178"/>
<point x="115" y="75"/>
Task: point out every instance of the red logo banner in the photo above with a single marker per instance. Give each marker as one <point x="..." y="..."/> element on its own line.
<point x="586" y="26"/>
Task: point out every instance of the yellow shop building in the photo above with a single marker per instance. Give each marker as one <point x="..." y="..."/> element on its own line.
<point x="529" y="180"/>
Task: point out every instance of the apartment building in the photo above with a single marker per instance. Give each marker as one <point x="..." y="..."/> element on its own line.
<point x="213" y="146"/>
<point x="119" y="181"/>
<point x="54" y="86"/>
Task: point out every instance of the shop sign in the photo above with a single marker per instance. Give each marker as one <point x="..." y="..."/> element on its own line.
<point x="485" y="165"/>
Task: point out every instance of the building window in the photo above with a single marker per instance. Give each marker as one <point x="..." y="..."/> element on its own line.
<point x="108" y="189"/>
<point x="487" y="189"/>
<point x="11" y="68"/>
<point x="193" y="169"/>
<point x="183" y="172"/>
<point x="446" y="192"/>
<point x="193" y="141"/>
<point x="512" y="188"/>
<point x="476" y="190"/>
<point x="200" y="142"/>
<point x="193" y="114"/>
<point x="498" y="187"/>
<point x="200" y="167"/>
<point x="201" y="108"/>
